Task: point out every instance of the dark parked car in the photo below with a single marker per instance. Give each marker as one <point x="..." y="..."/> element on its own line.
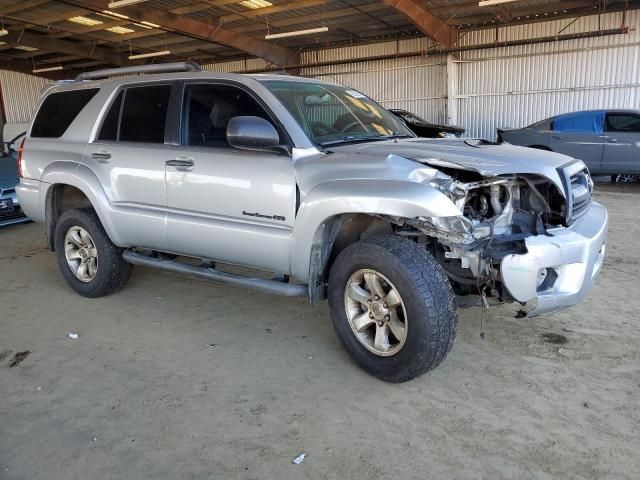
<point x="10" y="210"/>
<point x="422" y="128"/>
<point x="608" y="141"/>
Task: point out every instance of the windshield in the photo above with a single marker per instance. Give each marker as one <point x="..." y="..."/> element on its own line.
<point x="330" y="114"/>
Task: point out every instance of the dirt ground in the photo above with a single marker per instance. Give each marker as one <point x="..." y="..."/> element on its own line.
<point x="177" y="378"/>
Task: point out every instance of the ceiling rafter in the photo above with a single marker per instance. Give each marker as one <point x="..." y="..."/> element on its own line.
<point x="427" y="22"/>
<point x="200" y="30"/>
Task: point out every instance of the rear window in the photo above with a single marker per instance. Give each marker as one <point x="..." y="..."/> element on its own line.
<point x="58" y="111"/>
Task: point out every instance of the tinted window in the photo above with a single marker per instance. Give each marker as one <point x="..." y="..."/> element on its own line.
<point x="208" y="109"/>
<point x="144" y="113"/>
<point x="579" y="122"/>
<point x="623" y="122"/>
<point x="58" y="111"/>
<point x="109" y="130"/>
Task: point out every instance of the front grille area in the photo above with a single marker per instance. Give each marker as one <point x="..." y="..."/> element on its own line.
<point x="579" y="196"/>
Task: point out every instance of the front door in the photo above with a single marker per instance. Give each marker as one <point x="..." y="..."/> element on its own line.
<point x="622" y="143"/>
<point x="236" y="206"/>
<point x="128" y="157"/>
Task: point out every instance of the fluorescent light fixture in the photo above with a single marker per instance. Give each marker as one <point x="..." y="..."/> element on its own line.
<point x="48" y="69"/>
<point x="150" y="54"/>
<point x="25" y="48"/>
<point x="120" y="30"/>
<point x="3" y="43"/>
<point x="4" y="32"/>
<point x="89" y="22"/>
<point x="114" y="14"/>
<point x="296" y="33"/>
<point x="255" y="4"/>
<point x="149" y="24"/>
<point x="122" y="3"/>
<point x="486" y="3"/>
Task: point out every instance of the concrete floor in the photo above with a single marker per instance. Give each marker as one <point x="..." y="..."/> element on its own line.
<point x="176" y="378"/>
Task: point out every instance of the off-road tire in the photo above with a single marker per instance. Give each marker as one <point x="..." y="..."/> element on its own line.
<point x="427" y="295"/>
<point x="112" y="273"/>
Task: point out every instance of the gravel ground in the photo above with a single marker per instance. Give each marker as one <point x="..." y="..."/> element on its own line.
<point x="177" y="378"/>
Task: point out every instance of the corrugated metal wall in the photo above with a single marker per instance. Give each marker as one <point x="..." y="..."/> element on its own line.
<point x="516" y="86"/>
<point x="506" y="86"/>
<point x="20" y="95"/>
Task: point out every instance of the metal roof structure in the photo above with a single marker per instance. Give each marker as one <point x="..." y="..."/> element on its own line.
<point x="78" y="35"/>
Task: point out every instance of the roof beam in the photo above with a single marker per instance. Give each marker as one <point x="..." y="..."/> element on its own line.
<point x="200" y="30"/>
<point x="427" y="22"/>
<point x="81" y="49"/>
<point x="24" y="5"/>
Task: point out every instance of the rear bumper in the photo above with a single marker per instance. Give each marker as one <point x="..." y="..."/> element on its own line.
<point x="571" y="257"/>
<point x="31" y="198"/>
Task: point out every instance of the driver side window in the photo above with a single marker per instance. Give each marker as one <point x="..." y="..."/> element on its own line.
<point x="207" y="110"/>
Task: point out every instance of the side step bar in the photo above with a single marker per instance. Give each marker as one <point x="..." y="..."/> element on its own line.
<point x="273" y="287"/>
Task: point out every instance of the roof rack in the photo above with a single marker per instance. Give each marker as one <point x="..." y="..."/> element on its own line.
<point x="157" y="68"/>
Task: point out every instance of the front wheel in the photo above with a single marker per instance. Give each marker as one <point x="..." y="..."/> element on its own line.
<point x="90" y="263"/>
<point x="392" y="307"/>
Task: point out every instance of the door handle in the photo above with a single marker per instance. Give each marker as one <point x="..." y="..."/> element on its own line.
<point x="612" y="139"/>
<point x="181" y="164"/>
<point x="102" y="156"/>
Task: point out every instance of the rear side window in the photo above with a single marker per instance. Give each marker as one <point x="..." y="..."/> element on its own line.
<point x="144" y="113"/>
<point x="592" y="122"/>
<point x="58" y="111"/>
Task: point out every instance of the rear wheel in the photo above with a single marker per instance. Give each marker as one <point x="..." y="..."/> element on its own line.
<point x="392" y="307"/>
<point x="89" y="262"/>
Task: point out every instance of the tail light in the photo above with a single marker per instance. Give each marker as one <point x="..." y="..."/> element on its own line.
<point x="20" y="158"/>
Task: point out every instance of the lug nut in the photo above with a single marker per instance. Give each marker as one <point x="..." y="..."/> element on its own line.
<point x="369" y="301"/>
<point x="371" y="315"/>
<point x="387" y="317"/>
<point x="385" y="305"/>
<point x="377" y="297"/>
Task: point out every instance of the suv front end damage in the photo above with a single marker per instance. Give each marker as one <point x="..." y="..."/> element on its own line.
<point x="520" y="237"/>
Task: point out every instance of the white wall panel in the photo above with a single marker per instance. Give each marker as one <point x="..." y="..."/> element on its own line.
<point x="20" y="95"/>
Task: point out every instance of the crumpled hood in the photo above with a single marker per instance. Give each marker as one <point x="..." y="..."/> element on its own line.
<point x="396" y="159"/>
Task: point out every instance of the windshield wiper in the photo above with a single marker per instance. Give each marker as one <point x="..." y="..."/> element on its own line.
<point x="371" y="138"/>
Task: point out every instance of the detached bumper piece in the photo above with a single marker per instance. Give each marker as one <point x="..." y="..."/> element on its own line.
<point x="559" y="268"/>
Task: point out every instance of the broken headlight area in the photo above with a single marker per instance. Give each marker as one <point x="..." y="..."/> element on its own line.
<point x="498" y="213"/>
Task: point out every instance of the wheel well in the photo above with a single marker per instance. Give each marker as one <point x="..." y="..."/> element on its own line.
<point x="540" y="147"/>
<point x="336" y="234"/>
<point x="61" y="198"/>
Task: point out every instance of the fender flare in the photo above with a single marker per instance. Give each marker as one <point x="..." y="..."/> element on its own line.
<point x="81" y="177"/>
<point x="392" y="198"/>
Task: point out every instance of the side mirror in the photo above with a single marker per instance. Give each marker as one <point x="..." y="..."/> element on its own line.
<point x="252" y="133"/>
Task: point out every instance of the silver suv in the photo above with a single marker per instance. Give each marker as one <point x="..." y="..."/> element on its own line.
<point x="314" y="182"/>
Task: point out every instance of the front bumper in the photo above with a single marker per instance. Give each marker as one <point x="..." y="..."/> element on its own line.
<point x="571" y="256"/>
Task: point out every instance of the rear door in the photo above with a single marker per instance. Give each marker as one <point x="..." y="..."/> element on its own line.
<point x="579" y="135"/>
<point x="236" y="206"/>
<point x="622" y="143"/>
<point x="128" y="156"/>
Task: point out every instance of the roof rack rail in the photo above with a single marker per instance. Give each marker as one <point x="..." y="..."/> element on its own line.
<point x="157" y="68"/>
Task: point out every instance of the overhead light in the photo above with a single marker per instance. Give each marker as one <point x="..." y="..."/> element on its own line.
<point x="4" y="32"/>
<point x="149" y="24"/>
<point x="120" y="30"/>
<point x="296" y="33"/>
<point x="48" y="69"/>
<point x="114" y="14"/>
<point x="3" y="43"/>
<point x="123" y="3"/>
<point x="25" y="48"/>
<point x="486" y="3"/>
<point x="255" y="4"/>
<point x="150" y="54"/>
<point x="89" y="22"/>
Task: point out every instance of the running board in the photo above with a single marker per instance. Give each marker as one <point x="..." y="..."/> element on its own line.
<point x="273" y="287"/>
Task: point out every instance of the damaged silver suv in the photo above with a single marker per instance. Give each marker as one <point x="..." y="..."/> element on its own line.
<point x="316" y="183"/>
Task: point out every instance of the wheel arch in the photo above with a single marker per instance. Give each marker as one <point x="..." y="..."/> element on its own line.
<point x="83" y="190"/>
<point x="334" y="215"/>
